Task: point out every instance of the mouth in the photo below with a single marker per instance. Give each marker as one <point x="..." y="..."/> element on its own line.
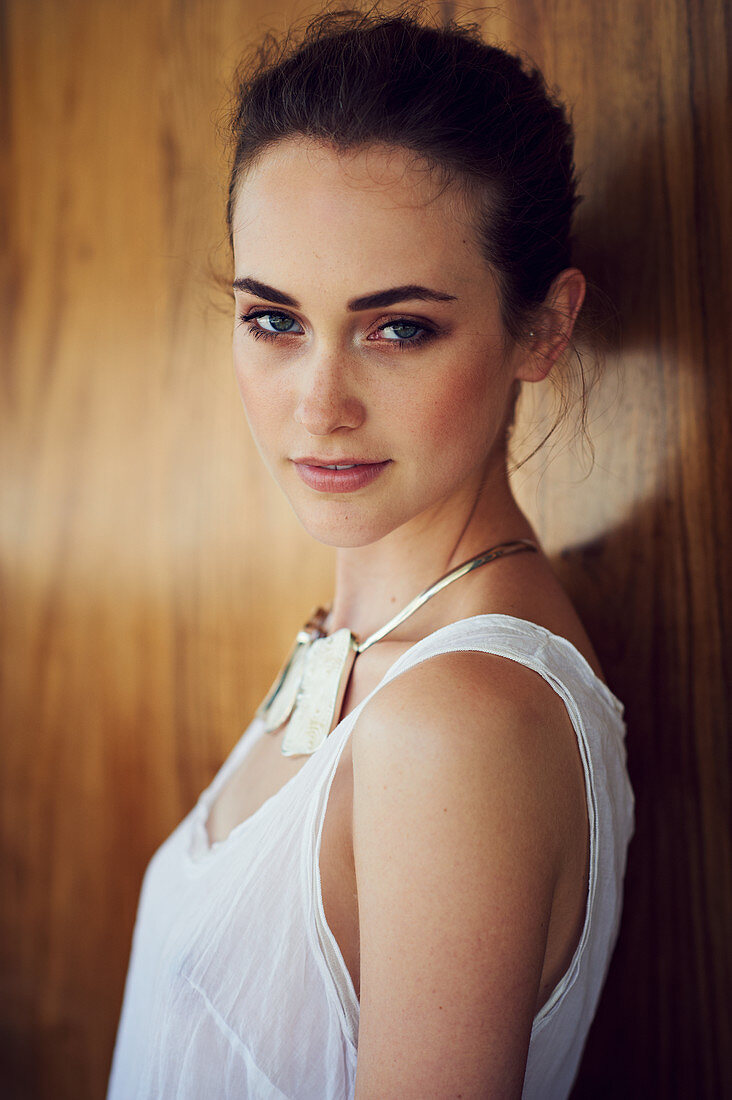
<point x="345" y="476"/>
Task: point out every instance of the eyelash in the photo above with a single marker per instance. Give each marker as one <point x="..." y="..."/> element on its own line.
<point x="258" y="333"/>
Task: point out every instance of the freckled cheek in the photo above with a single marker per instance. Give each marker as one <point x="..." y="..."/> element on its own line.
<point x="267" y="409"/>
<point x="455" y="424"/>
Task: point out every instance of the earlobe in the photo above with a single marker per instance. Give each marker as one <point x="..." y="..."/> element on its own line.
<point x="551" y="334"/>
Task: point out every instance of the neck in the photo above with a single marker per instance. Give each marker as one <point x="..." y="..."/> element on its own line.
<point x="374" y="582"/>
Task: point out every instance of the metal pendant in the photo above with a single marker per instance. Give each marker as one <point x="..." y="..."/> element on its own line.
<point x="309" y="689"/>
<point x="278" y="704"/>
<point x="280" y="699"/>
<point x="308" y="693"/>
<point x="326" y="670"/>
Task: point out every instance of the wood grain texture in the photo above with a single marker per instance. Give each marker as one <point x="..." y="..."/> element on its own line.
<point x="151" y="579"/>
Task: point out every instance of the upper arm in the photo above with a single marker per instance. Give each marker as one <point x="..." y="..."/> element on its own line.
<point x="457" y="834"/>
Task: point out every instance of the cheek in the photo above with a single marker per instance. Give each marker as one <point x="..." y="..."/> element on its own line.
<point x="263" y="405"/>
<point x="457" y="422"/>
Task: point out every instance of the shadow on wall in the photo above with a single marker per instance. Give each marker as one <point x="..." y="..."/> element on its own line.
<point x="653" y="596"/>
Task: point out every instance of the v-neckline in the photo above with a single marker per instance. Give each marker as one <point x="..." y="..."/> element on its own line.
<point x="200" y="846"/>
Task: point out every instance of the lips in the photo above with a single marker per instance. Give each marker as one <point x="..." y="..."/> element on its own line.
<point x="344" y="476"/>
<point x="345" y="466"/>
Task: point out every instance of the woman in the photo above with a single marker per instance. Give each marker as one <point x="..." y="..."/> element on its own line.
<point x="405" y="880"/>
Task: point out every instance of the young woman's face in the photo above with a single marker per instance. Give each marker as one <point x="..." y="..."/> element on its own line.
<point x="368" y="336"/>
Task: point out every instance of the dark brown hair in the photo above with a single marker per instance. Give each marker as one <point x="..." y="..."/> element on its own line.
<point x="475" y="112"/>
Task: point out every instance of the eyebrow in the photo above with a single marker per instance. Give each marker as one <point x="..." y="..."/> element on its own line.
<point x="378" y="299"/>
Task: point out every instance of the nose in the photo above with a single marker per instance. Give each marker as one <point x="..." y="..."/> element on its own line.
<point x="327" y="400"/>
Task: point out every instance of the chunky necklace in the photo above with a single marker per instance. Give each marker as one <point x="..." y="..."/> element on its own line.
<point x="310" y="687"/>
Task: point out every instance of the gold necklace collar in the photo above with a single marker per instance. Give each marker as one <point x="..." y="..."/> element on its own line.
<point x="308" y="692"/>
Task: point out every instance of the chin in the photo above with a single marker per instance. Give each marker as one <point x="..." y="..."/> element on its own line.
<point x="339" y="524"/>
<point x="342" y="536"/>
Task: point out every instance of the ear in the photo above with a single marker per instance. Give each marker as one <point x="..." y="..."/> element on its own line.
<point x="552" y="333"/>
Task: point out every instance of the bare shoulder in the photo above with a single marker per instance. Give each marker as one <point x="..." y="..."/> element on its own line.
<point x="478" y="709"/>
<point x="476" y="735"/>
<point x="464" y="801"/>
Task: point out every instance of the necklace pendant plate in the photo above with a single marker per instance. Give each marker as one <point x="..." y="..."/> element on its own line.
<point x="277" y="706"/>
<point x="327" y="667"/>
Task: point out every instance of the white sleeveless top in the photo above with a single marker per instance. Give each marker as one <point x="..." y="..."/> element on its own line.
<point x="236" y="986"/>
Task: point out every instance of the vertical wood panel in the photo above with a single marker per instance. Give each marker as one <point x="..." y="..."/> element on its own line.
<point x="648" y="572"/>
<point x="150" y="578"/>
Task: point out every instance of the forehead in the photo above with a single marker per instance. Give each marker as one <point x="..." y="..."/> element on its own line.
<point x="375" y="204"/>
<point x="399" y="175"/>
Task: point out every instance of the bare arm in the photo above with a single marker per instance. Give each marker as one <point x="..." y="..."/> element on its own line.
<point x="461" y="811"/>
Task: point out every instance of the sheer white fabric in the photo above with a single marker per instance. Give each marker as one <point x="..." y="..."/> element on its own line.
<point x="237" y="988"/>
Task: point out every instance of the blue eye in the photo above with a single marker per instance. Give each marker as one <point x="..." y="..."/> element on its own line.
<point x="404" y="330"/>
<point x="407" y="334"/>
<point x="273" y="324"/>
<point x="279" y="322"/>
<point x="269" y="324"/>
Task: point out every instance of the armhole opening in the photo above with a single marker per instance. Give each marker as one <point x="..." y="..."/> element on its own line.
<point x="326" y="946"/>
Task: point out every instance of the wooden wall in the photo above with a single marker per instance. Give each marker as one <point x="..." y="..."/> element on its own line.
<point x="150" y="579"/>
